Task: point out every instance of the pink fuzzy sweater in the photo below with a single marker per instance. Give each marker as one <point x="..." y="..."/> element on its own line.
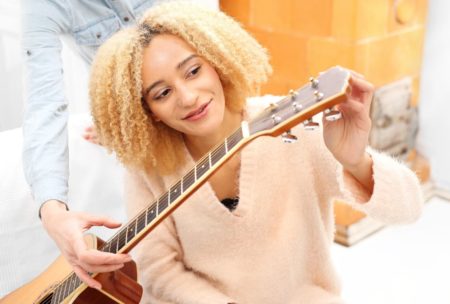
<point x="274" y="248"/>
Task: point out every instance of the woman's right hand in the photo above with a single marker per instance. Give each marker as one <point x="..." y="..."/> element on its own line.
<point x="66" y="228"/>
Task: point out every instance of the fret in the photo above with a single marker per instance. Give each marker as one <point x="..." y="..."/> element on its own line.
<point x="113" y="244"/>
<point x="117" y="243"/>
<point x="122" y="239"/>
<point x="108" y="247"/>
<point x="131" y="230"/>
<point x="195" y="173"/>
<point x="175" y="192"/>
<point x="73" y="283"/>
<point x="234" y="139"/>
<point x="209" y="160"/>
<point x="188" y="180"/>
<point x="226" y="145"/>
<point x="151" y="213"/>
<point x="57" y="295"/>
<point x="245" y="129"/>
<point x="202" y="167"/>
<point x="157" y="208"/>
<point x="64" y="289"/>
<point x="140" y="222"/>
<point x="217" y="154"/>
<point x="77" y="280"/>
<point x="163" y="202"/>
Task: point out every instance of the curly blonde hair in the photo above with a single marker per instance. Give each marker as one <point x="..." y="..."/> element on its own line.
<point x="120" y="115"/>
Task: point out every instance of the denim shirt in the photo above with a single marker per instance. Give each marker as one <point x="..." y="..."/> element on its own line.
<point x="87" y="24"/>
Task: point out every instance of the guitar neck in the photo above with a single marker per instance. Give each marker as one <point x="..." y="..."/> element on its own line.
<point x="127" y="237"/>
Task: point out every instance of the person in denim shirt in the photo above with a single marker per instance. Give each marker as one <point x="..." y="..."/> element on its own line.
<point x="85" y="25"/>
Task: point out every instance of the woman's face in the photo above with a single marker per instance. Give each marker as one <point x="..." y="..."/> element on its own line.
<point x="181" y="89"/>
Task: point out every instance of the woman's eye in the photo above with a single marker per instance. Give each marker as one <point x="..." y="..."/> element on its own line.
<point x="163" y="94"/>
<point x="194" y="71"/>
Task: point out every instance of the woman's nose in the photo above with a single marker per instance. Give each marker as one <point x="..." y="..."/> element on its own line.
<point x="186" y="96"/>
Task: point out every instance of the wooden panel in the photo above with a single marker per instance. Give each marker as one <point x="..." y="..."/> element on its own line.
<point x="406" y="13"/>
<point x="287" y="53"/>
<point x="311" y="18"/>
<point x="371" y="18"/>
<point x="271" y="15"/>
<point x="276" y="86"/>
<point x="389" y="58"/>
<point x="415" y="91"/>
<point x="326" y="52"/>
<point x="346" y="215"/>
<point x="359" y="19"/>
<point x="240" y="10"/>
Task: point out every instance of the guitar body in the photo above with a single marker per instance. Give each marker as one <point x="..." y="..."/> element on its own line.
<point x="119" y="286"/>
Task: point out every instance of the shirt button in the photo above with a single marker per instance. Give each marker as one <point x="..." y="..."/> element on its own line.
<point x="98" y="35"/>
<point x="126" y="19"/>
<point x="28" y="52"/>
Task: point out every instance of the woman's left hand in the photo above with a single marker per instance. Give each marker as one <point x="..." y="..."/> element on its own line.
<point x="348" y="137"/>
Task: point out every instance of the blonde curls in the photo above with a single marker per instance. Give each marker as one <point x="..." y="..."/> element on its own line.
<point x="123" y="123"/>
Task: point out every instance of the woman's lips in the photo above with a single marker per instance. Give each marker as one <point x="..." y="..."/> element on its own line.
<point x="199" y="113"/>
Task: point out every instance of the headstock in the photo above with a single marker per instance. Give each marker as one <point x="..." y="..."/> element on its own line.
<point x="321" y="94"/>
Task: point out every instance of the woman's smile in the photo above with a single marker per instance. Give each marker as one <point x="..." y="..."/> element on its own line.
<point x="199" y="113"/>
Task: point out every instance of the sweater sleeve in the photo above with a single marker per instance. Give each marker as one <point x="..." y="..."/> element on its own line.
<point x="396" y="197"/>
<point x="162" y="273"/>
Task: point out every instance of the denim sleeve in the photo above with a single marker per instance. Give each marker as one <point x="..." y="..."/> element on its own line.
<point x="45" y="147"/>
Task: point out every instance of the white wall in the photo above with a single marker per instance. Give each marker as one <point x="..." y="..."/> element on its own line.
<point x="11" y="104"/>
<point x="434" y="134"/>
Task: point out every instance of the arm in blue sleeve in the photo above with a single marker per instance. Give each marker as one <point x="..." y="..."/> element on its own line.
<point x="45" y="147"/>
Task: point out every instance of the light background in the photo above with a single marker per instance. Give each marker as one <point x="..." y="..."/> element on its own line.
<point x="397" y="265"/>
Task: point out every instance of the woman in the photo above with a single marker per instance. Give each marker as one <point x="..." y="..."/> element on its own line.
<point x="165" y="93"/>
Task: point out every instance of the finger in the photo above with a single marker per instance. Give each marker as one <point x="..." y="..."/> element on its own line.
<point x="96" y="257"/>
<point x="362" y="85"/>
<point x="102" y="268"/>
<point x="356" y="74"/>
<point x="102" y="221"/>
<point x="86" y="278"/>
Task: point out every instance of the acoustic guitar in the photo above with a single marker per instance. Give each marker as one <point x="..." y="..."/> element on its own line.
<point x="59" y="284"/>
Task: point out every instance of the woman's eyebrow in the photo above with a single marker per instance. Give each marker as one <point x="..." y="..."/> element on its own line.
<point x="183" y="62"/>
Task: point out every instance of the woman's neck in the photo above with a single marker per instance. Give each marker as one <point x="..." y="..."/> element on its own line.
<point x="200" y="145"/>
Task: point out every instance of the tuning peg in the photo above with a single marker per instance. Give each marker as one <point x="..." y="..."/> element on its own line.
<point x="314" y="82"/>
<point x="310" y="125"/>
<point x="276" y="119"/>
<point x="332" y="115"/>
<point x="293" y="94"/>
<point x="297" y="107"/>
<point x="273" y="106"/>
<point x="288" y="137"/>
<point x="318" y="95"/>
